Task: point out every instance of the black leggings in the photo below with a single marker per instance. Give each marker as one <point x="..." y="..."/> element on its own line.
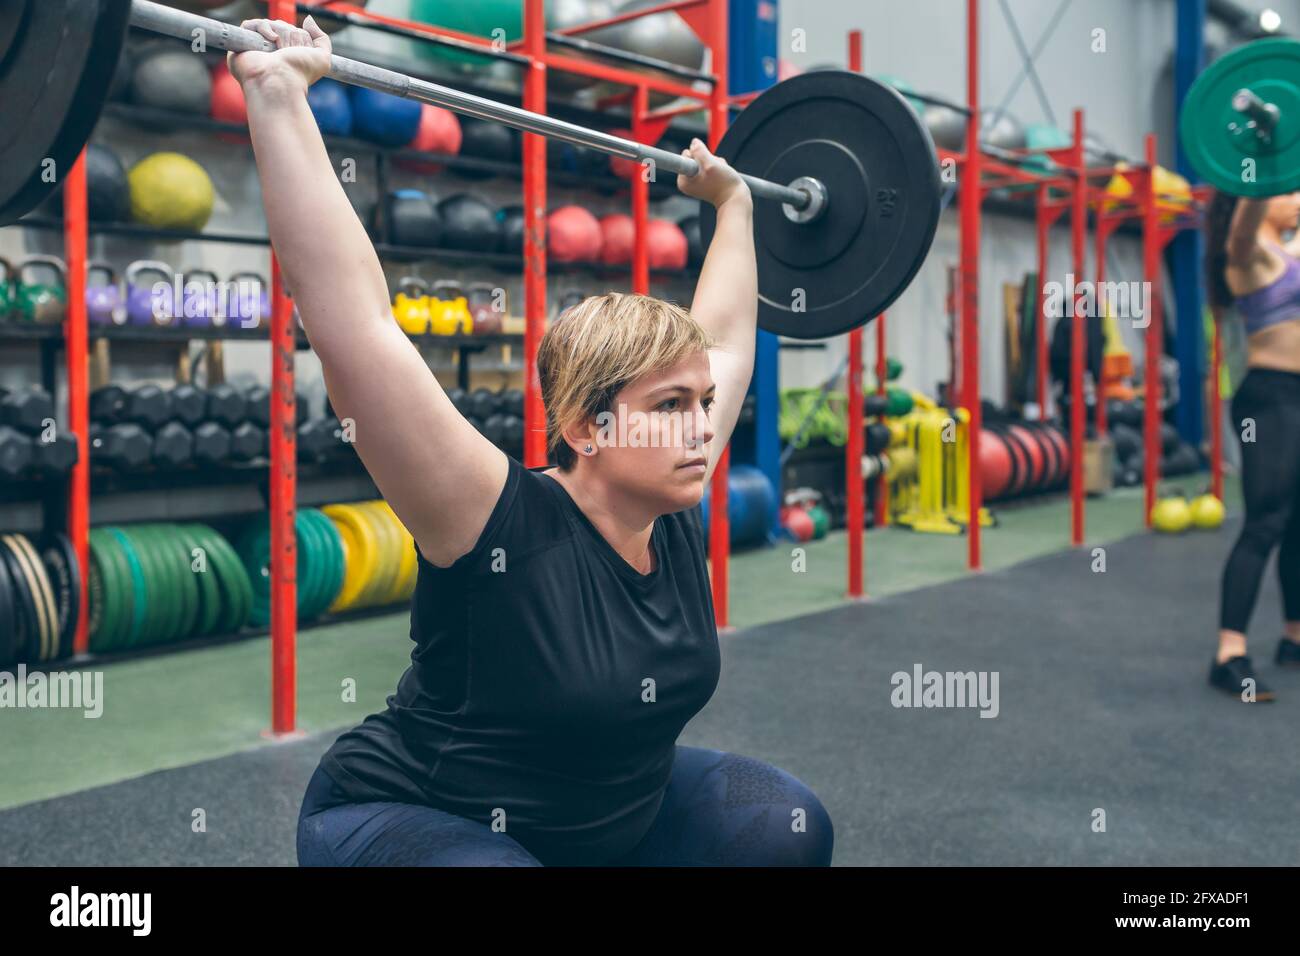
<point x="1268" y="402"/>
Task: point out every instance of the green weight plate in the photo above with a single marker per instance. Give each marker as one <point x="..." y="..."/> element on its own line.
<point x="1217" y="138"/>
<point x="178" y="576"/>
<point x="253" y="545"/>
<point x="311" y="571"/>
<point x="188" y="581"/>
<point x="325" y="561"/>
<point x="205" y="582"/>
<point x="333" y="545"/>
<point x="121" y="584"/>
<point x="106" y="599"/>
<point x="156" y="540"/>
<point x="224" y="605"/>
<point x="140" y="613"/>
<point x="161" y="602"/>
<point x="238" y="602"/>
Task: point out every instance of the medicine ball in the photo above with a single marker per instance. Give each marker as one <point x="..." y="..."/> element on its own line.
<point x="618" y="236"/>
<point x="407" y="217"/>
<point x="573" y="235"/>
<point x="331" y="106"/>
<point x="108" y="194"/>
<point x="382" y="117"/>
<point x="690" y="226"/>
<point x="511" y="223"/>
<point x="621" y="166"/>
<point x="469" y="223"/>
<point x="576" y="160"/>
<point x="438" y="132"/>
<point x="172" y="78"/>
<point x="170" y="191"/>
<point x="666" y="244"/>
<point x="228" y="104"/>
<point x="483" y="140"/>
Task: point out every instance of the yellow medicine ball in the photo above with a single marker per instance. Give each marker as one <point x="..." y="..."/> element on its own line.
<point x="170" y="191"/>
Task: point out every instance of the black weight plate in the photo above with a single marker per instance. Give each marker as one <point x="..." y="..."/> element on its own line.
<point x="27" y="634"/>
<point x="60" y="562"/>
<point x="55" y="74"/>
<point x="9" y="647"/>
<point x="875" y="157"/>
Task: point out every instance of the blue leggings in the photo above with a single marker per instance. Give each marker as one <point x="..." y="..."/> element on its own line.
<point x="719" y="809"/>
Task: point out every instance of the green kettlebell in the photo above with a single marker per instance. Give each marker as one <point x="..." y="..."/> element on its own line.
<point x="1207" y="512"/>
<point x="42" y="303"/>
<point x="1171" y="515"/>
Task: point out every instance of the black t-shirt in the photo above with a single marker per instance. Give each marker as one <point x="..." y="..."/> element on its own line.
<point x="549" y="680"/>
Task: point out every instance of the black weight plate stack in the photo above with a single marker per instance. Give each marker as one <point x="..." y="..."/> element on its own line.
<point x="57" y="59"/>
<point x="875" y="157"/>
<point x="60" y="560"/>
<point x="10" y="648"/>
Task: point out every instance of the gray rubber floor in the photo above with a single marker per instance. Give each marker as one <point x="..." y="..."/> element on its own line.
<point x="1103" y="707"/>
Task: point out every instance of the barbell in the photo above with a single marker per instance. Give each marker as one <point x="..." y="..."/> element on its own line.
<point x="847" y="170"/>
<point x="1240" y="122"/>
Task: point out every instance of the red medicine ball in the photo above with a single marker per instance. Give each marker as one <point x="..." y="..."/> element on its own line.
<point x="438" y="132"/>
<point x="573" y="235"/>
<point x="228" y="104"/>
<point x="619" y="234"/>
<point x="667" y="244"/>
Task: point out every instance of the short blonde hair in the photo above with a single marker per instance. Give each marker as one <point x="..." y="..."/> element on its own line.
<point x="596" y="348"/>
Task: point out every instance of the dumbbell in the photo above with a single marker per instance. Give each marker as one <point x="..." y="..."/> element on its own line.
<point x="247" y="442"/>
<point x="227" y="405"/>
<point x="189" y="404"/>
<point x="494" y="429"/>
<point x="22" y="454"/>
<point x="259" y="406"/>
<point x="512" y="402"/>
<point x="124" y="447"/>
<point x="481" y="403"/>
<point x="26" y="409"/>
<point x="211" y="444"/>
<point x="319" y="439"/>
<point x="145" y="405"/>
<point x="514" y="432"/>
<point x="173" y="446"/>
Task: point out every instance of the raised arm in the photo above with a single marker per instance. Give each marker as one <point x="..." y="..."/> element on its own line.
<point x="726" y="296"/>
<point x="1244" y="249"/>
<point x="441" y="477"/>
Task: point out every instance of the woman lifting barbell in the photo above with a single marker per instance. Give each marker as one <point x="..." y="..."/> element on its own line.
<point x="562" y="619"/>
<point x="1251" y="268"/>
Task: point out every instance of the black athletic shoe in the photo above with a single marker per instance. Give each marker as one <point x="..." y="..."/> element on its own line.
<point x="1288" y="653"/>
<point x="1230" y="676"/>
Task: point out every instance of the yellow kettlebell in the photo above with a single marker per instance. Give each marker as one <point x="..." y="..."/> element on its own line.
<point x="1171" y="515"/>
<point x="456" y="319"/>
<point x="411" y="305"/>
<point x="1207" y="511"/>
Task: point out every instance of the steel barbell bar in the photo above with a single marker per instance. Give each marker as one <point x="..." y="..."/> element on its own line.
<point x="804" y="202"/>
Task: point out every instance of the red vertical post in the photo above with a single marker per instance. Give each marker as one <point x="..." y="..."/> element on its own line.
<point x="640" y="199"/>
<point x="1099" y="265"/>
<point x="719" y="521"/>
<point x="283" y="488"/>
<point x="855" y="511"/>
<point x="1216" y="415"/>
<point x="534" y="236"/>
<point x="970" y="196"/>
<point x="1078" y="230"/>
<point x="1042" y="222"/>
<point x="882" y="372"/>
<point x="75" y="220"/>
<point x="1154" y="332"/>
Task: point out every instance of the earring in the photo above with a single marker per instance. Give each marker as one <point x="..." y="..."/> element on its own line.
<point x="587" y="449"/>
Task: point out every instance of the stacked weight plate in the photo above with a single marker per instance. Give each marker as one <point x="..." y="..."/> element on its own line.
<point x="40" y="587"/>
<point x="379" y="555"/>
<point x="321" y="565"/>
<point x="154" y="583"/>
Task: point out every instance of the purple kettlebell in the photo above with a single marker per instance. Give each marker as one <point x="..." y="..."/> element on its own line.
<point x="150" y="293"/>
<point x="199" y="298"/>
<point x="250" y="303"/>
<point x="104" y="304"/>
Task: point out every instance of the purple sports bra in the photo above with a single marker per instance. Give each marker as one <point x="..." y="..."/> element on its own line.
<point x="1279" y="301"/>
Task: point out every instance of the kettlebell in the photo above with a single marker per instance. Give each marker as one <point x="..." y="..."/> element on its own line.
<point x="6" y="289"/>
<point x="1171" y="515"/>
<point x="104" y="304"/>
<point x="42" y="303"/>
<point x="199" y="298"/>
<point x="249" y="308"/>
<point x="486" y="318"/>
<point x="1207" y="511"/>
<point x="150" y="296"/>
<point x="411" y="306"/>
<point x="454" y="318"/>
